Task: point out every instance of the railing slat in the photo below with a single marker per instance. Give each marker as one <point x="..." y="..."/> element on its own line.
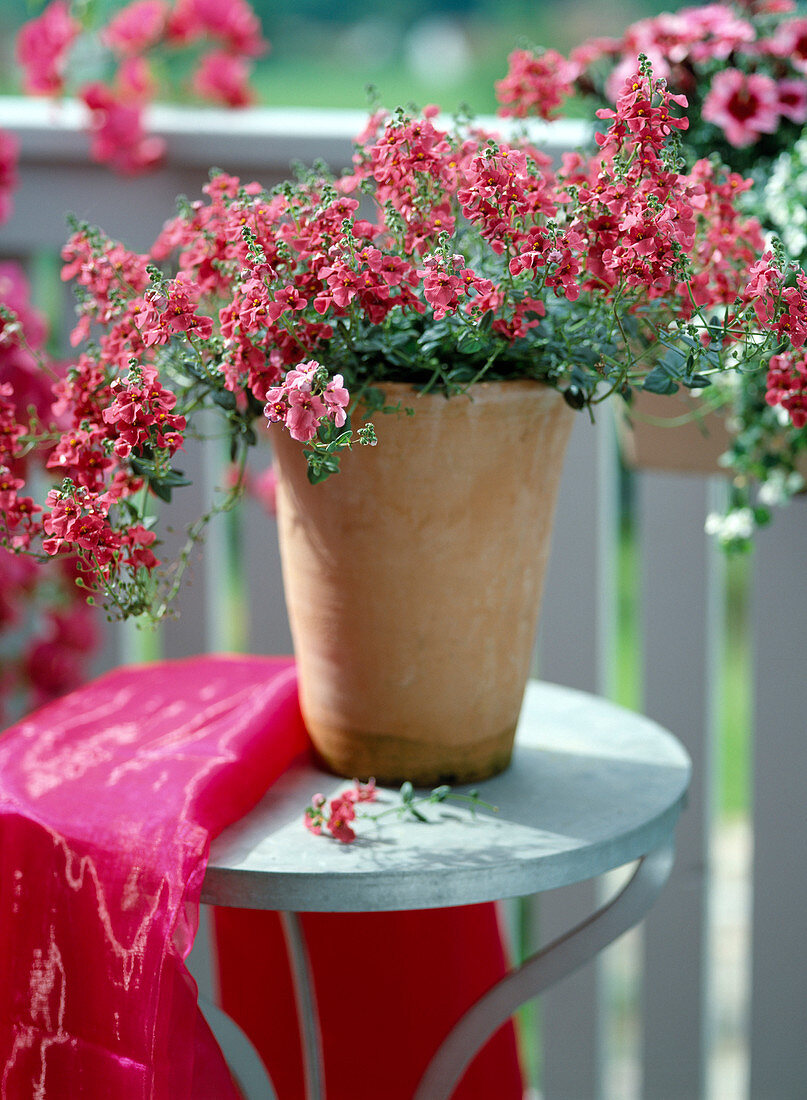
<point x="779" y="952"/>
<point x="569" y="653"/>
<point x="678" y="636"/>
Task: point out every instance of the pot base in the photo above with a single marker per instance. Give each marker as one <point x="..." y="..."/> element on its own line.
<point x="393" y="760"/>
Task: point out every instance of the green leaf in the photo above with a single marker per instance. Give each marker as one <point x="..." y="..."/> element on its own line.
<point x="161" y="490"/>
<point x="145" y="467"/>
<point x="407" y="792"/>
<point x="224" y="398"/>
<point x="696" y="382"/>
<point x="659" y="381"/>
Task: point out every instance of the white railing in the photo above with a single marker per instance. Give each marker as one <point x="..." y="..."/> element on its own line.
<point x="649" y="1020"/>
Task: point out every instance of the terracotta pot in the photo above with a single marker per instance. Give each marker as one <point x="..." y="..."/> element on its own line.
<point x="413" y="580"/>
<point x="655" y="438"/>
<point x="673" y="434"/>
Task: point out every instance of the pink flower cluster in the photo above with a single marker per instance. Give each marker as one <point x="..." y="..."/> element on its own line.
<point x="56" y="633"/>
<point x="78" y="522"/>
<point x="305" y="398"/>
<point x="230" y="37"/>
<point x="309" y="260"/>
<point x="40" y="606"/>
<point x="747" y="105"/>
<point x="98" y="419"/>
<point x="787" y="386"/>
<point x="88" y="420"/>
<point x="284" y="301"/>
<point x="536" y="83"/>
<point x="749" y="67"/>
<point x="337" y="816"/>
<point x="779" y="302"/>
<point x="42" y="48"/>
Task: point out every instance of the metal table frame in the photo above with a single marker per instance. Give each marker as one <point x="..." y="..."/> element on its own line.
<point x="592" y="787"/>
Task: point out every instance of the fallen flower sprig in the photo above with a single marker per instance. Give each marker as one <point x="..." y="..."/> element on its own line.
<point x="336" y="817"/>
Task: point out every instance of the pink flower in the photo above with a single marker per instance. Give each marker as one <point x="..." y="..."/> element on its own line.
<point x="136" y="82"/>
<point x="790" y="42"/>
<point x="793" y="100"/>
<point x="119" y="138"/>
<point x="336" y="400"/>
<point x="136" y="545"/>
<point x="743" y="106"/>
<point x="141" y="413"/>
<point x="304" y="399"/>
<point x="787" y="386"/>
<point x="626" y="68"/>
<point x="163" y="318"/>
<point x="80" y="455"/>
<point x="50" y="668"/>
<point x="441" y="290"/>
<point x="305" y="412"/>
<point x="224" y="78"/>
<point x="593" y="49"/>
<point x="535" y="83"/>
<point x="9" y="150"/>
<point x="364" y="792"/>
<point x="42" y="47"/>
<point x="136" y="28"/>
<point x="15" y="294"/>
<point x="78" y="521"/>
<point x="341" y="815"/>
<point x="264" y="487"/>
<point x="234" y="23"/>
<point x="314" y="817"/>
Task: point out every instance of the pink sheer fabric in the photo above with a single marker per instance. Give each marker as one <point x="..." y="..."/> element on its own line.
<point x="108" y="801"/>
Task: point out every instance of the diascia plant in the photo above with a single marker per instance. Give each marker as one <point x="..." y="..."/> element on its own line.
<point x="446" y="256"/>
<point x="47" y="633"/>
<point x="743" y="68"/>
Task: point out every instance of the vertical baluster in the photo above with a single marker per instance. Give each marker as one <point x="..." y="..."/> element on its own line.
<point x="779" y="1000"/>
<point x="680" y="589"/>
<point x="575" y="634"/>
<point x="227" y="621"/>
<point x="269" y="626"/>
<point x="222" y="601"/>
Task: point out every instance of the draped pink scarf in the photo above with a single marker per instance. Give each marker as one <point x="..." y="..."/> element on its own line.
<point x="108" y="801"/>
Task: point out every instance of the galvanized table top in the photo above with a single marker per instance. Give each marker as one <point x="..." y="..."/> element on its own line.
<point x="591" y="787"/>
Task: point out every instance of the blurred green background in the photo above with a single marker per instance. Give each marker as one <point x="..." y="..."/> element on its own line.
<point x="324" y="54"/>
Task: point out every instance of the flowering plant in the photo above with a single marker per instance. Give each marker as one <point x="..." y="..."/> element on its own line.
<point x="473" y="258"/>
<point x="337" y="817"/>
<point x="743" y="69"/>
<point x="40" y="606"/>
<point x="125" y="62"/>
<point x="741" y="65"/>
<point x="114" y="64"/>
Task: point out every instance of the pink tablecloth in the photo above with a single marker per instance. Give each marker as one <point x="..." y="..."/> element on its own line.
<point x="108" y="801"/>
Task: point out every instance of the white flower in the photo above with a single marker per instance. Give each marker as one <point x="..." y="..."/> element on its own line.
<point x="780" y="487"/>
<point x="738" y="524"/>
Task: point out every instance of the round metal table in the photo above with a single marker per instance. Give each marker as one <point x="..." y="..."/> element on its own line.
<point x="591" y="787"/>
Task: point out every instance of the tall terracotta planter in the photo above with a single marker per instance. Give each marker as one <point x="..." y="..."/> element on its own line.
<point x="413" y="580"/>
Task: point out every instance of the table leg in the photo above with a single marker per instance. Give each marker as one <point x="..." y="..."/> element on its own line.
<point x="555" y="961"/>
<point x="241" y="1056"/>
<point x="307" y="1014"/>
